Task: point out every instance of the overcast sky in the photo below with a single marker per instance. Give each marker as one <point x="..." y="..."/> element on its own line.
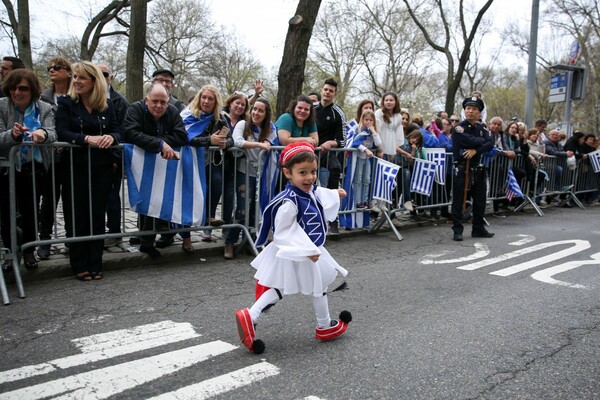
<point x="51" y="18"/>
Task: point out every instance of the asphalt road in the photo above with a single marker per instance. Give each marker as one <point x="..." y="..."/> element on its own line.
<point x="513" y="317"/>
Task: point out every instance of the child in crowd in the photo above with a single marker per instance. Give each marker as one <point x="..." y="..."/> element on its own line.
<point x="296" y="260"/>
<point x="367" y="140"/>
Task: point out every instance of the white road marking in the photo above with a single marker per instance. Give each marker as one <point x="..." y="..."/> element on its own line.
<point x="579" y="245"/>
<point x="546" y="275"/>
<point x="222" y="384"/>
<point x="108" y="345"/>
<point x="525" y="239"/>
<point x="481" y="250"/>
<point x="106" y="382"/>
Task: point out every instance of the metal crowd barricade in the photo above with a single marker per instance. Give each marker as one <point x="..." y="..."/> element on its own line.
<point x="59" y="236"/>
<point x="588" y="181"/>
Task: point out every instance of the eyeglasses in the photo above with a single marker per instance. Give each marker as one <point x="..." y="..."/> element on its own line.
<point x="455" y="120"/>
<point x="105" y="74"/>
<point x="21" y="88"/>
<point x="56" y="67"/>
<point x="162" y="80"/>
<point x="238" y="93"/>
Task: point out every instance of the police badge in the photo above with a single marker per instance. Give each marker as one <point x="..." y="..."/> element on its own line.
<point x="459" y="129"/>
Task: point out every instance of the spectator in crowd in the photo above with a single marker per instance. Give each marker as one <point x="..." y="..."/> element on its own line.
<point x="454" y="120"/>
<point x="368" y="143"/>
<point x="429" y="139"/>
<point x="255" y="134"/>
<point x="206" y="126"/>
<point x="315" y="97"/>
<point x="113" y="208"/>
<point x="470" y="140"/>
<point x="575" y="144"/>
<point x="298" y="124"/>
<point x="589" y="144"/>
<point x="445" y="139"/>
<point x="25" y="121"/>
<point x="388" y="120"/>
<point x="156" y="126"/>
<point x="87" y="118"/>
<point x="363" y="106"/>
<point x="167" y="78"/>
<point x="8" y="64"/>
<point x="389" y="125"/>
<point x="503" y="151"/>
<point x="540" y="125"/>
<point x="331" y="123"/>
<point x="405" y="119"/>
<point x="554" y="148"/>
<point x="534" y="153"/>
<point x="60" y="74"/>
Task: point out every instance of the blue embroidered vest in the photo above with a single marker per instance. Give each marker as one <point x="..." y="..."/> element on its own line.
<point x="310" y="215"/>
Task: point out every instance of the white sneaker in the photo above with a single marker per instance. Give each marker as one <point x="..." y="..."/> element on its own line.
<point x="408" y="206"/>
<point x="375" y="207"/>
<point x="383" y="206"/>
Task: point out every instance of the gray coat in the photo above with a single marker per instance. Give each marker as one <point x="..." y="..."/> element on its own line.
<point x="9" y="115"/>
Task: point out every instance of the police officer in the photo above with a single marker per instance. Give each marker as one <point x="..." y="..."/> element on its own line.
<point x="470" y="141"/>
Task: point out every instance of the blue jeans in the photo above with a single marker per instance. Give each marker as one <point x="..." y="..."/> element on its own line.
<point x="362" y="180"/>
<point x="245" y="195"/>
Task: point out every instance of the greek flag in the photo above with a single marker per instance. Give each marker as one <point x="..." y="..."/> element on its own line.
<point x="351" y="133"/>
<point x="594" y="157"/>
<point x="269" y="174"/>
<point x="423" y="176"/>
<point x="385" y="180"/>
<point x="512" y="186"/>
<point x="438" y="156"/>
<point x="172" y="190"/>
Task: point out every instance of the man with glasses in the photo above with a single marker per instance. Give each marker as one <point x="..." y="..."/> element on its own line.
<point x="166" y="78"/>
<point x="113" y="206"/>
<point x="8" y="64"/>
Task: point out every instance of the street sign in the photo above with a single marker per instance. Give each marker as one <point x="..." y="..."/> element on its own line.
<point x="558" y="87"/>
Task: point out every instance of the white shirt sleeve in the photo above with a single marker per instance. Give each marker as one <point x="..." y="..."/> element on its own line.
<point x="238" y="134"/>
<point x="330" y="200"/>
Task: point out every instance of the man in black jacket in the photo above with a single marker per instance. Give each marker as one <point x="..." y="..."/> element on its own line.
<point x="154" y="125"/>
<point x="113" y="207"/>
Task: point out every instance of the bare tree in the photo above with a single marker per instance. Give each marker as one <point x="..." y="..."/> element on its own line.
<point x="94" y="29"/>
<point x="17" y="28"/>
<point x="335" y="51"/>
<point x="293" y="62"/>
<point x="135" y="52"/>
<point x="442" y="38"/>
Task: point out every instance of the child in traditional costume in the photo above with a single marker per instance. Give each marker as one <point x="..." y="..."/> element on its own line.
<point x="296" y="261"/>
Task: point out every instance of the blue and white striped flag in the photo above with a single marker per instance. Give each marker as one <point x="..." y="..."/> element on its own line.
<point x="351" y="133"/>
<point x="594" y="157"/>
<point x="438" y="156"/>
<point x="385" y="180"/>
<point x="270" y="174"/>
<point x="423" y="175"/>
<point x="171" y="190"/>
<point x="512" y="186"/>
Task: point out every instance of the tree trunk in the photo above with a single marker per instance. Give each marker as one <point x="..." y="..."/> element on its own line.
<point x="24" y="35"/>
<point x="135" y="51"/>
<point x="293" y="62"/>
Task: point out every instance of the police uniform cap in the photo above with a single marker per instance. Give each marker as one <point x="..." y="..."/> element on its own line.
<point x="163" y="71"/>
<point x="473" y="101"/>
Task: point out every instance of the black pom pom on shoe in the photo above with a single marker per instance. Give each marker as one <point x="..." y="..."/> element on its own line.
<point x="258" y="346"/>
<point x="346" y="316"/>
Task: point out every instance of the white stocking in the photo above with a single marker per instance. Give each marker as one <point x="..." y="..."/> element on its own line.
<point x="321" y="307"/>
<point x="269" y="297"/>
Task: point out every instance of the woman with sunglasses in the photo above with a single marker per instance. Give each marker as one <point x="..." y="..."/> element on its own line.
<point x="25" y="122"/>
<point x="86" y="117"/>
<point x="60" y="74"/>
